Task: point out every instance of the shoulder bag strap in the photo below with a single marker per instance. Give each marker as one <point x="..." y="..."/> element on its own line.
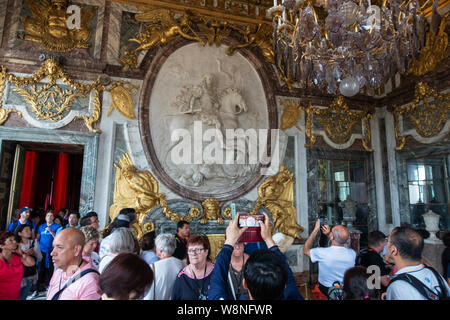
<point x="418" y="285"/>
<point x="72" y="280"/>
<point x="154" y="280"/>
<point x="438" y="277"/>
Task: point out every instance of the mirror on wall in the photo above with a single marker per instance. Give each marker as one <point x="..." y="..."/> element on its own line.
<point x="428" y="186"/>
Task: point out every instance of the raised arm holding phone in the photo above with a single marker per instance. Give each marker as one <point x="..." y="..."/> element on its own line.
<point x="267" y="275"/>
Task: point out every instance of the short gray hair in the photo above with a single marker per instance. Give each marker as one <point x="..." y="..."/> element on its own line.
<point x="120" y="240"/>
<point x="166" y="243"/>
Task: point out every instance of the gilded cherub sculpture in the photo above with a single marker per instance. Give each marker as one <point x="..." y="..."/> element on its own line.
<point x="163" y="28"/>
<point x="276" y="194"/>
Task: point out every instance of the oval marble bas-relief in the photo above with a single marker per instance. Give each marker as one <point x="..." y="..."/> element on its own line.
<point x="199" y="91"/>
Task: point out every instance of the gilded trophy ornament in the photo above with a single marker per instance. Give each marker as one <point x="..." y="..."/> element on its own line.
<point x="428" y="113"/>
<point x="291" y="114"/>
<point x="338" y="122"/>
<point x="276" y="194"/>
<point x="134" y="189"/>
<point x="120" y="92"/>
<point x="50" y="101"/>
<point x="48" y="26"/>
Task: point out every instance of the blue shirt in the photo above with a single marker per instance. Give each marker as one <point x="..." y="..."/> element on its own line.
<point x="46" y="240"/>
<point x="18" y="223"/>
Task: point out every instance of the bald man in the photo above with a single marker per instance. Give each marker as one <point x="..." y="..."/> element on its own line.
<point x="74" y="278"/>
<point x="333" y="260"/>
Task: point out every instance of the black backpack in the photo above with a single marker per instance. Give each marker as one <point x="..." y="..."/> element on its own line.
<point x="428" y="293"/>
<point x="360" y="255"/>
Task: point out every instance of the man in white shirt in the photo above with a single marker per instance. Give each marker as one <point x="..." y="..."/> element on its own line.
<point x="333" y="260"/>
<point x="165" y="270"/>
<point x="404" y="249"/>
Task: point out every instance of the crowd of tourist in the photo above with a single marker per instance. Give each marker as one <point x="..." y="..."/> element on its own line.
<point x="65" y="257"/>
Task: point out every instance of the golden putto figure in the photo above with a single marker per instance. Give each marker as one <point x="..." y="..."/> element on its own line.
<point x="134" y="189"/>
<point x="48" y="25"/>
<point x="276" y="194"/>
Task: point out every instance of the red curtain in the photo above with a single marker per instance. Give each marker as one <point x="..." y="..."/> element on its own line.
<point x="30" y="173"/>
<point x="59" y="190"/>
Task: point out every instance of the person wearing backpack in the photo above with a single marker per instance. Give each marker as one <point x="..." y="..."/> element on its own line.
<point x="372" y="256"/>
<point x="413" y="280"/>
<point x="333" y="260"/>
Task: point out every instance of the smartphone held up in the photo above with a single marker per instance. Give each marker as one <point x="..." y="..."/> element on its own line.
<point x="253" y="232"/>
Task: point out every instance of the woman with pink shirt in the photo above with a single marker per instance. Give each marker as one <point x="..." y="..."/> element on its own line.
<point x="12" y="260"/>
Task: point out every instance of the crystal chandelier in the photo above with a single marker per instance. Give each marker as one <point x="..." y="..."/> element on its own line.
<point x="345" y="45"/>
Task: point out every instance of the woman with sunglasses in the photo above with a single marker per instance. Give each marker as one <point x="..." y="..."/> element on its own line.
<point x="192" y="282"/>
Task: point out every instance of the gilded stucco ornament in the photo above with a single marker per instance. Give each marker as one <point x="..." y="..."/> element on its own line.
<point x="51" y="101"/>
<point x="162" y="29"/>
<point x="4" y="113"/>
<point x="276" y="194"/>
<point x="211" y="211"/>
<point x="139" y="190"/>
<point x="120" y="92"/>
<point x="338" y="122"/>
<point x="256" y="36"/>
<point x="134" y="189"/>
<point x="428" y="113"/>
<point x="434" y="51"/>
<point x="48" y="25"/>
<point x="292" y="111"/>
<point x="193" y="25"/>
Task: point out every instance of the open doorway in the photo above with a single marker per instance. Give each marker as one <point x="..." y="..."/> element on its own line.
<point x="39" y="175"/>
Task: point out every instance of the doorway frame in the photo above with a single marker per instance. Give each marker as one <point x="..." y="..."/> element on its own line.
<point x="88" y="140"/>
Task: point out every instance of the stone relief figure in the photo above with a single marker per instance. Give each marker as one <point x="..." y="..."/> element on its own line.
<point x="134" y="189"/>
<point x="276" y="194"/>
<point x="214" y="109"/>
<point x="349" y="208"/>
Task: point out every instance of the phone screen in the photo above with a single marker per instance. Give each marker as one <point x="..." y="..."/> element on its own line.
<point x="253" y="232"/>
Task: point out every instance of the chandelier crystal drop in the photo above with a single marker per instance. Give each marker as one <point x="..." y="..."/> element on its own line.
<point x="346" y="45"/>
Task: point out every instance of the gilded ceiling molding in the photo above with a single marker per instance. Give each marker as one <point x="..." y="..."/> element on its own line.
<point x="259" y="36"/>
<point x="49" y="25"/>
<point x="434" y="51"/>
<point x="168" y="24"/>
<point x="428" y="114"/>
<point x="50" y="101"/>
<point x="338" y="122"/>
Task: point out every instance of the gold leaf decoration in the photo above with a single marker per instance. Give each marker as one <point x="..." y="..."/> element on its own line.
<point x="338" y="122"/>
<point x="48" y="25"/>
<point x="121" y="99"/>
<point x="428" y="113"/>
